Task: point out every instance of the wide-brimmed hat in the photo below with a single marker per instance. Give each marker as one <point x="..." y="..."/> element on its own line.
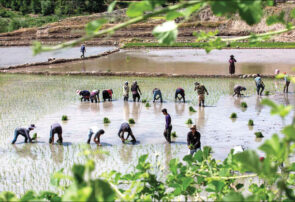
<point x="194" y="127"/>
<point x="32" y="126"/>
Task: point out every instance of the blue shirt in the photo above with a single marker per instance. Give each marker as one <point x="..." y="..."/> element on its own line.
<point x="168" y="120"/>
<point x="258" y="80"/>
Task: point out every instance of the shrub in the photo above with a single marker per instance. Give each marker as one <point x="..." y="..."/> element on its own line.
<point x="233" y="115"/>
<point x="244" y="105"/>
<point x="173" y="134"/>
<point x="267" y="93"/>
<point x="191" y="109"/>
<point x="64" y="118"/>
<point x="147" y="104"/>
<point x="143" y="100"/>
<point x="189" y="121"/>
<point x="106" y="120"/>
<point x="250" y="122"/>
<point x="131" y="121"/>
<point x="258" y="134"/>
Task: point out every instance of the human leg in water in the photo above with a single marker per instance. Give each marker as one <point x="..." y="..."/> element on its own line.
<point x="262" y="89"/>
<point x="16" y="134"/>
<point x="89" y="136"/>
<point x="60" y="140"/>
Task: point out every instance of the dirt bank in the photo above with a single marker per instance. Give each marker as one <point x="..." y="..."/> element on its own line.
<point x="73" y="28"/>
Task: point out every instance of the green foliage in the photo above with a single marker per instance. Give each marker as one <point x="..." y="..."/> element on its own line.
<point x="34" y="137"/>
<point x="173" y="134"/>
<point x="191" y="109"/>
<point x="136" y="9"/>
<point x="244" y="105"/>
<point x="64" y="118"/>
<point x="281" y="110"/>
<point x="143" y="100"/>
<point x="147" y="104"/>
<point x="189" y="121"/>
<point x="131" y="121"/>
<point x="233" y="115"/>
<point x="106" y="120"/>
<point x="166" y="33"/>
<point x="250" y="122"/>
<point x="258" y="134"/>
<point x="94" y="26"/>
<point x="267" y="93"/>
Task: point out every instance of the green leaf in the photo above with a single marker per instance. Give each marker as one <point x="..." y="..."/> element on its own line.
<point x="95" y="25"/>
<point x="274" y="148"/>
<point x="136" y="9"/>
<point x="78" y="172"/>
<point x="102" y="191"/>
<point x="292" y="14"/>
<point x="112" y="6"/>
<point x="222" y="7"/>
<point x="280" y="110"/>
<point x="190" y="10"/>
<point x="7" y="196"/>
<point x="250" y="11"/>
<point x="249" y="161"/>
<point x="166" y="33"/>
<point x="276" y="19"/>
<point x="173" y="166"/>
<point x="233" y="196"/>
<point x="37" y="47"/>
<point x="172" y="15"/>
<point x="289" y="132"/>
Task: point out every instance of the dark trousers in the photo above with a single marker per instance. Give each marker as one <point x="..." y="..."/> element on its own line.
<point x="106" y="96"/>
<point x="83" y="54"/>
<point x="181" y="93"/>
<point x="136" y="96"/>
<point x="89" y="137"/>
<point x="16" y="134"/>
<point x="286" y="87"/>
<point x="260" y="89"/>
<point x="167" y="133"/>
<point x="57" y="130"/>
<point x="126" y="98"/>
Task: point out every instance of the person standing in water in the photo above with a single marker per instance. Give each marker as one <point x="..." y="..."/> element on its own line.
<point x="125" y="127"/>
<point x="168" y="125"/>
<point x="135" y="91"/>
<point x="95" y="130"/>
<point x="25" y="132"/>
<point x="201" y="89"/>
<point x="126" y="91"/>
<point x="194" y="140"/>
<point x="287" y="83"/>
<point x="232" y="68"/>
<point x="259" y="84"/>
<point x="83" y="50"/>
<point x="55" y="128"/>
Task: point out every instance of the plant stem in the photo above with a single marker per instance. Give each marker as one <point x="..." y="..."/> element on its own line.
<point x="225" y="178"/>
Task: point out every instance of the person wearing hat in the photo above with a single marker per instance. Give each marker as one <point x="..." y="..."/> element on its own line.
<point x="126" y="91"/>
<point x="25" y="132"/>
<point x="193" y="140"/>
<point x="168" y="125"/>
<point x="232" y="67"/>
<point x="287" y="83"/>
<point x="95" y="130"/>
<point x="125" y="127"/>
<point x="55" y="128"/>
<point x="201" y="89"/>
<point x="157" y="94"/>
<point x="94" y="96"/>
<point x="180" y="91"/>
<point x="135" y="91"/>
<point x="85" y="94"/>
<point x="238" y="89"/>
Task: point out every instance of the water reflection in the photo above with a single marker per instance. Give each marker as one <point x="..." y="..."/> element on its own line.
<point x="57" y="153"/>
<point x="136" y="110"/>
<point x="158" y="108"/>
<point x="258" y="106"/>
<point x="126" y="153"/>
<point x="107" y="106"/>
<point x="286" y="99"/>
<point x="126" y="110"/>
<point x="25" y="151"/>
<point x="231" y="85"/>
<point x="179" y="108"/>
<point x="94" y="107"/>
<point x="201" y="118"/>
<point x="168" y="154"/>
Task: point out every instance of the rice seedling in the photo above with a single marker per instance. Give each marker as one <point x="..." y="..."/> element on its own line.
<point x="259" y="134"/>
<point x="244" y="105"/>
<point x="106" y="120"/>
<point x="233" y="115"/>
<point x="189" y="121"/>
<point x="131" y="121"/>
<point x="143" y="100"/>
<point x="250" y="122"/>
<point x="267" y="93"/>
<point x="64" y="118"/>
<point x="191" y="109"/>
<point x="173" y="134"/>
<point x="34" y="137"/>
<point x="147" y="104"/>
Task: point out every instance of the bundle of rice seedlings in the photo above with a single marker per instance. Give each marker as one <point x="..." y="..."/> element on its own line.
<point x="147" y="104"/>
<point x="267" y="93"/>
<point x="131" y="121"/>
<point x="34" y="136"/>
<point x="64" y="118"/>
<point x="250" y="122"/>
<point x="173" y="134"/>
<point x="189" y="121"/>
<point x="191" y="109"/>
<point x="244" y="105"/>
<point x="106" y="120"/>
<point x="233" y="115"/>
<point x="258" y="134"/>
<point x="143" y="100"/>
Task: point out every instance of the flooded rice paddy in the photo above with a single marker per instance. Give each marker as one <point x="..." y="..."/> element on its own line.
<point x="43" y="100"/>
<point x="182" y="61"/>
<point x="11" y="56"/>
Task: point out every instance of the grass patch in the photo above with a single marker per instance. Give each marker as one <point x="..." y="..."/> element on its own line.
<point x="191" y="109"/>
<point x="106" y="120"/>
<point x="147" y="104"/>
<point x="244" y="105"/>
<point x="250" y="122"/>
<point x="234" y="115"/>
<point x="131" y="121"/>
<point x="189" y="121"/>
<point x="173" y="134"/>
<point x="258" y="134"/>
<point x="64" y="118"/>
<point x="267" y="93"/>
<point x="203" y="45"/>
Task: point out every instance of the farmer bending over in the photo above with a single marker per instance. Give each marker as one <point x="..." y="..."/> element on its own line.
<point x="168" y="125"/>
<point x="107" y="95"/>
<point x="135" y="91"/>
<point x="95" y="130"/>
<point x="193" y="140"/>
<point x="25" y="132"/>
<point x="238" y="89"/>
<point x="94" y="96"/>
<point x="55" y="128"/>
<point x="179" y="91"/>
<point x="157" y="95"/>
<point x="85" y="95"/>
<point x="201" y="89"/>
<point x="259" y="84"/>
<point x="125" y="127"/>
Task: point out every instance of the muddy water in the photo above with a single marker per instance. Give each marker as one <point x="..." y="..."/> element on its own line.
<point x="10" y="56"/>
<point x="184" y="61"/>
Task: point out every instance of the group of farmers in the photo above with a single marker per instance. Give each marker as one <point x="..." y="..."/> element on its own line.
<point x="193" y="137"/>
